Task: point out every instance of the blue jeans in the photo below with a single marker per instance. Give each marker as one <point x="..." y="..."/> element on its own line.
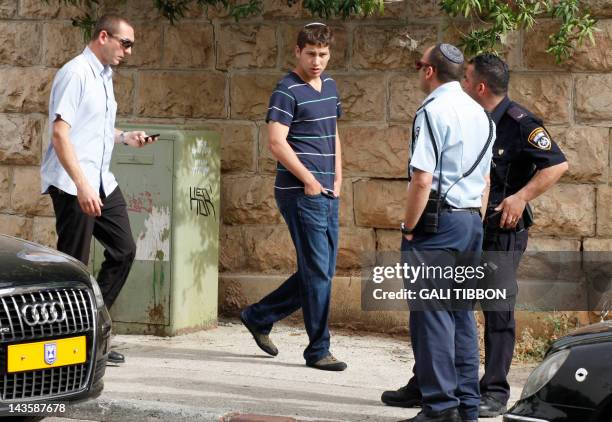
<point x="313" y="224"/>
<point x="445" y="342"/>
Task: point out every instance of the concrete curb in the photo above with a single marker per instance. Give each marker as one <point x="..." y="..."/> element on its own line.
<point x="112" y="410"/>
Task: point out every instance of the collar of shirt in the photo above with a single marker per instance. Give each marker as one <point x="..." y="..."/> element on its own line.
<point x="501" y="108"/>
<point x="96" y="66"/>
<point x="452" y="86"/>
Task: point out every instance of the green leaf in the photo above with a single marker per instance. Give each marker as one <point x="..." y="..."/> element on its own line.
<point x="493" y="19"/>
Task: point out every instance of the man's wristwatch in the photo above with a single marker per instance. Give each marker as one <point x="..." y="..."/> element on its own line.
<point x="122" y="138"/>
<point x="404" y="229"/>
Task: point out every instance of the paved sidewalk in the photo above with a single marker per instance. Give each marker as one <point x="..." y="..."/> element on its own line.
<point x="219" y="374"/>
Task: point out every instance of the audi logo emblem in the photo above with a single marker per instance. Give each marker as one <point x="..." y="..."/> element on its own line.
<point x="43" y="313"/>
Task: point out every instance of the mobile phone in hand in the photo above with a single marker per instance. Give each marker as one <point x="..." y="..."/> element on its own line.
<point x="329" y="193"/>
<point x="151" y="138"/>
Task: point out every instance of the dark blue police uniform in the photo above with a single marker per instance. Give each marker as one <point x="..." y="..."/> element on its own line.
<point x="522" y="147"/>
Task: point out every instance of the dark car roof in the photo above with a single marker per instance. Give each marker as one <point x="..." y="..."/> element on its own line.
<point x="23" y="262"/>
<point x="600" y="327"/>
<point x="594" y="333"/>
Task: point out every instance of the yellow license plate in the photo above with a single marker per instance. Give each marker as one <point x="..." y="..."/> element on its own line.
<point x="46" y="354"/>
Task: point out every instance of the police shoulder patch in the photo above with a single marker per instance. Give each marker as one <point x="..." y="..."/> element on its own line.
<point x="540" y="139"/>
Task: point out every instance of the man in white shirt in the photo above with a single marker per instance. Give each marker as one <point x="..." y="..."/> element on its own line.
<point x="75" y="171"/>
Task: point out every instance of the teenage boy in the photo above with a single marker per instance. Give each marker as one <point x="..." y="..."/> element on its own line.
<point x="303" y="137"/>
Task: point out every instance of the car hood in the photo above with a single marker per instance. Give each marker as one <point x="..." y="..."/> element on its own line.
<point x="594" y="333"/>
<point x="25" y="263"/>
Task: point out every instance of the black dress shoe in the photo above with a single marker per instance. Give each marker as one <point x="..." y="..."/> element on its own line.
<point x="404" y="397"/>
<point x="263" y="340"/>
<point x="115" y="357"/>
<point x="490" y="407"/>
<point x="448" y="415"/>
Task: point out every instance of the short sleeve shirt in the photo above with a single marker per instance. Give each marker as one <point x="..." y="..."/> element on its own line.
<point x="460" y="129"/>
<point x="82" y="96"/>
<point x="523" y="146"/>
<point x="311" y="117"/>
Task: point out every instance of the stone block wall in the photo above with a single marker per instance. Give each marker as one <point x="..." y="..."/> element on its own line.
<point x="210" y="70"/>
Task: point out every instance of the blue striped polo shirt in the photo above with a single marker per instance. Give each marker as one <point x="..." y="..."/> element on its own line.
<point x="311" y="117"/>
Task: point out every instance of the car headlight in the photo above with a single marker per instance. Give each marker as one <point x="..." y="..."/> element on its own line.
<point x="544" y="373"/>
<point x="97" y="292"/>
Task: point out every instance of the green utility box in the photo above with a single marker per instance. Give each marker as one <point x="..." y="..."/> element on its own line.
<point x="172" y="192"/>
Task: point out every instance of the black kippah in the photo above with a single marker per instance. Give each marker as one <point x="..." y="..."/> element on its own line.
<point x="452" y="53"/>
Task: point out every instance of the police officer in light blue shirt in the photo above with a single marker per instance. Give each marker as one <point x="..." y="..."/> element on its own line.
<point x="450" y="162"/>
<point x="457" y="125"/>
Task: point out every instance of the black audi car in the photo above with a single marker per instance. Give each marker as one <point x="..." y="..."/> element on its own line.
<point x="54" y="327"/>
<point x="573" y="383"/>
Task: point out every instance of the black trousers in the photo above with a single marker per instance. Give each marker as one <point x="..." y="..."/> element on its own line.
<point x="500" y="327"/>
<point x="112" y="229"/>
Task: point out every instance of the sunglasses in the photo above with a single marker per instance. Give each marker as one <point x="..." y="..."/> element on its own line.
<point x="309" y="25"/>
<point x="419" y="65"/>
<point x="125" y="43"/>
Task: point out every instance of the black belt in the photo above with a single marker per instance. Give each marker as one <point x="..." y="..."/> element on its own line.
<point x="453" y="209"/>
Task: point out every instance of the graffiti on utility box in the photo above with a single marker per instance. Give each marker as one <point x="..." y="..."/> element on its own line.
<point x="200" y="200"/>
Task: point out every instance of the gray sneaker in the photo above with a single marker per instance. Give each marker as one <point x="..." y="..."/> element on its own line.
<point x="262" y="340"/>
<point x="328" y="363"/>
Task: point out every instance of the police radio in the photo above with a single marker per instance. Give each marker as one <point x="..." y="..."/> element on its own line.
<point x="431" y="215"/>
